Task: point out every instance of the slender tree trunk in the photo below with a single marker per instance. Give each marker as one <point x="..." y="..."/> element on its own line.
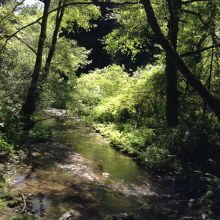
<point x="175" y="58"/>
<point x="59" y="17"/>
<point x="40" y="75"/>
<point x="30" y="102"/>
<point x="171" y="71"/>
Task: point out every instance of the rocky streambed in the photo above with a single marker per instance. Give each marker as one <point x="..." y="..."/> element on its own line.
<point x="78" y="175"/>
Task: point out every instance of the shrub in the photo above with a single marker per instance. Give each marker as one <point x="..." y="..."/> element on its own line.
<point x="156" y="158"/>
<point x="5" y="147"/>
<point x="40" y="133"/>
<point x="211" y="198"/>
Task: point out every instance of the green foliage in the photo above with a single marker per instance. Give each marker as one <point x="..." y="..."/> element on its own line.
<point x="2" y="204"/>
<point x="81" y="15"/>
<point x="111" y="91"/>
<point x="67" y="59"/>
<point x="211" y="198"/>
<point x="17" y="62"/>
<point x="121" y="107"/>
<point x="40" y="133"/>
<point x="6" y="22"/>
<point x="91" y="88"/>
<point x="5" y="194"/>
<point x="5" y="147"/>
<point x="156" y="158"/>
<point x="125" y="137"/>
<point x="132" y="36"/>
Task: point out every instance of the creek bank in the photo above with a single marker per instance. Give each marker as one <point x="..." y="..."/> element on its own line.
<point x="51" y="171"/>
<point x="174" y="180"/>
<point x="37" y="202"/>
<point x="8" y="199"/>
<point x="167" y="170"/>
<point x="77" y="170"/>
<point x="170" y="180"/>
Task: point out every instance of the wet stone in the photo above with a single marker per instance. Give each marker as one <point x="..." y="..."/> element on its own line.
<point x="70" y="215"/>
<point x="187" y="218"/>
<point x="123" y="216"/>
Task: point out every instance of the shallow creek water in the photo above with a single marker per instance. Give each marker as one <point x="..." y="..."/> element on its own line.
<point x="80" y="171"/>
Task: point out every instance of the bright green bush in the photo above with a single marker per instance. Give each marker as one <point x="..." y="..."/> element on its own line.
<point x="91" y="88"/>
<point x="130" y="111"/>
<point x="121" y="107"/>
<point x="127" y="139"/>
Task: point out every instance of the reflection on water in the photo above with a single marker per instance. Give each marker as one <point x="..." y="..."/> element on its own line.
<point x="94" y="147"/>
<point x="39" y="205"/>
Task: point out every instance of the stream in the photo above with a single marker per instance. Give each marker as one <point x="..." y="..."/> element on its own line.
<point x="80" y="172"/>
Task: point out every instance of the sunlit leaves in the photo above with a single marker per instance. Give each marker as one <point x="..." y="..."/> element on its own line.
<point x="130" y="37"/>
<point x="80" y="14"/>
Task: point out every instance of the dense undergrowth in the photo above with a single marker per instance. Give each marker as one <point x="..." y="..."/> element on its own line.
<point x="6" y="151"/>
<point x="130" y="112"/>
<point x="10" y="145"/>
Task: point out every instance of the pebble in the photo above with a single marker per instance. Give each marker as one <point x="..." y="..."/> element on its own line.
<point x="106" y="175"/>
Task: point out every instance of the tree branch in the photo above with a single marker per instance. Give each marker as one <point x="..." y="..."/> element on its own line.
<point x="32" y="49"/>
<point x="64" y="6"/>
<point x="176" y="59"/>
<point x="192" y="1"/>
<point x="187" y="54"/>
<point x="15" y="7"/>
<point x="186" y="11"/>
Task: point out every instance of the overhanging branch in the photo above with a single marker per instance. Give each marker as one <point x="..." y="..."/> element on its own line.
<point x="22" y="41"/>
<point x="192" y="1"/>
<point x="64" y="6"/>
<point x="187" y="54"/>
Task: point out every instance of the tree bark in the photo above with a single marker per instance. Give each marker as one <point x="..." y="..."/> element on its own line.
<point x="30" y="102"/>
<point x="170" y="70"/>
<point x="175" y="58"/>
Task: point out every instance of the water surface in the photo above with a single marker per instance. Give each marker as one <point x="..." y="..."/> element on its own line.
<point x="80" y="171"/>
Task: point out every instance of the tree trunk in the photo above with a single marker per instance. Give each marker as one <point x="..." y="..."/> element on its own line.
<point x="39" y="77"/>
<point x="175" y="58"/>
<point x="30" y="103"/>
<point x="59" y="17"/>
<point x="171" y="71"/>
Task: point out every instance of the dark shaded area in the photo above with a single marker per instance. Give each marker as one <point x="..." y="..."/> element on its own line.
<point x="92" y="39"/>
